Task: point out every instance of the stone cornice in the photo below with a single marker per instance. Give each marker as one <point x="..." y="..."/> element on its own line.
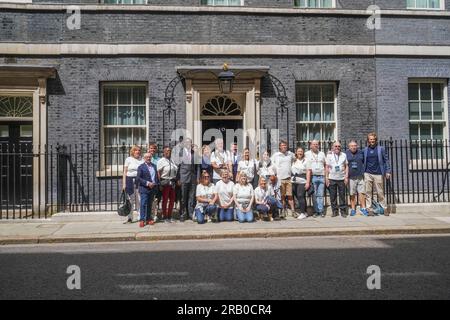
<point x="221" y="10"/>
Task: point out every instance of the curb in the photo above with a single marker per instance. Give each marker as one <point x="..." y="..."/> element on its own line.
<point x="142" y="237"/>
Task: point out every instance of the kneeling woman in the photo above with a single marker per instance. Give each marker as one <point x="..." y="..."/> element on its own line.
<point x="262" y="196"/>
<point x="243" y="196"/>
<point x="224" y="191"/>
<point x="206" y="199"/>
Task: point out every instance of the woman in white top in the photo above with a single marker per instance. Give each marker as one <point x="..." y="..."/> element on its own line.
<point x="300" y="175"/>
<point x="224" y="191"/>
<point x="262" y="194"/>
<point x="265" y="166"/>
<point x="243" y="196"/>
<point x="167" y="173"/>
<point x="247" y="166"/>
<point x="129" y="179"/>
<point x="206" y="199"/>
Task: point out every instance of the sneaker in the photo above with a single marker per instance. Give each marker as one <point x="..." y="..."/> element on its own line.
<point x="172" y="220"/>
<point x="364" y="212"/>
<point x="302" y="216"/>
<point x="166" y="220"/>
<point x="352" y="213"/>
<point x="209" y="219"/>
<point x="316" y="215"/>
<point x="323" y="214"/>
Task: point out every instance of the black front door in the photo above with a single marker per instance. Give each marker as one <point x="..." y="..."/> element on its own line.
<point x="16" y="163"/>
<point x="222" y="126"/>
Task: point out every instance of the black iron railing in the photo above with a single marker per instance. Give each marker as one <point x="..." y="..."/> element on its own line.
<point x="82" y="178"/>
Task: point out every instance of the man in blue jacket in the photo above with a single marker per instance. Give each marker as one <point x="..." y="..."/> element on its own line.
<point x="147" y="180"/>
<point x="376" y="169"/>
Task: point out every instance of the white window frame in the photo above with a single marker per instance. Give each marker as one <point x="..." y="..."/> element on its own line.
<point x="333" y="5"/>
<point x="113" y="170"/>
<point x="119" y="2"/>
<point x="422" y="163"/>
<point x="335" y="122"/>
<point x="442" y="6"/>
<point x="220" y="5"/>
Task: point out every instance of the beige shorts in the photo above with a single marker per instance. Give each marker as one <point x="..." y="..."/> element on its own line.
<point x="286" y="188"/>
<point x="357" y="185"/>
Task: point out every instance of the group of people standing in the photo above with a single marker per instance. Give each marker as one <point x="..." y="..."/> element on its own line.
<point x="225" y="185"/>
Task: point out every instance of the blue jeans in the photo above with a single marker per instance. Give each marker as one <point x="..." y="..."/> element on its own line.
<point x="226" y="214"/>
<point x="146" y="205"/>
<point x="319" y="190"/>
<point x="244" y="216"/>
<point x="207" y="210"/>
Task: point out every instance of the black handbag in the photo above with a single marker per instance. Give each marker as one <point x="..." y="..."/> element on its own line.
<point x="124" y="205"/>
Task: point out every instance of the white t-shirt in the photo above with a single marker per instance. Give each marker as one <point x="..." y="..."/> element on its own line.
<point x="275" y="190"/>
<point x="316" y="162"/>
<point x="283" y="164"/>
<point x="132" y="164"/>
<point x="168" y="167"/>
<point x="336" y="165"/>
<point x="219" y="158"/>
<point x="224" y="191"/>
<point x="267" y="169"/>
<point x="299" y="167"/>
<point x="261" y="194"/>
<point x="243" y="194"/>
<point x="247" y="167"/>
<point x="205" y="192"/>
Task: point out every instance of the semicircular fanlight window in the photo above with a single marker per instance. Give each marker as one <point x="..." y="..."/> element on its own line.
<point x="16" y="107"/>
<point x="221" y="106"/>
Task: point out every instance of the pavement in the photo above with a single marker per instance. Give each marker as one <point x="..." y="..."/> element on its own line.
<point x="335" y="268"/>
<point x="108" y="227"/>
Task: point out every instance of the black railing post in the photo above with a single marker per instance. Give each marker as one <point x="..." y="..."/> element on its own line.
<point x="61" y="169"/>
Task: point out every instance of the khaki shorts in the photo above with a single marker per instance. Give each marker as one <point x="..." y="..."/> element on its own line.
<point x="357" y="185"/>
<point x="286" y="188"/>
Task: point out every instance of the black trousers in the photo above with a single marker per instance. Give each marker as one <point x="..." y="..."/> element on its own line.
<point x="188" y="191"/>
<point x="300" y="194"/>
<point x="337" y="189"/>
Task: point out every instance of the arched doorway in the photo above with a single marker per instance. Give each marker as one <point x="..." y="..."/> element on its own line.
<point x="221" y="117"/>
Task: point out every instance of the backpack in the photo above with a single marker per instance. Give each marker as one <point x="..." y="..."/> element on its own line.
<point x="377" y="208"/>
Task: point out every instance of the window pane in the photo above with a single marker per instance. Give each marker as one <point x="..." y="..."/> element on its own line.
<point x="328" y="93"/>
<point x="425" y="132"/>
<point x="328" y="111"/>
<point x="314" y="93"/>
<point x="438" y="111"/>
<point x="125" y="136"/>
<point x="438" y="91"/>
<point x="125" y="116"/>
<point x="425" y="91"/>
<point x="435" y="4"/>
<point x="302" y="112"/>
<point x="414" y="111"/>
<point x="414" y="131"/>
<point x="124" y="95"/>
<point x="413" y="91"/>
<point x="302" y="93"/>
<point x="139" y="95"/>
<point x="139" y="115"/>
<point x="110" y="115"/>
<point x="314" y="132"/>
<point x="26" y="131"/>
<point x="411" y="3"/>
<point x="4" y="131"/>
<point x="438" y="131"/>
<point x="426" y="111"/>
<point x="314" y="112"/>
<point x="421" y="3"/>
<point x="139" y="137"/>
<point x="110" y="96"/>
<point x="302" y="132"/>
<point x="110" y="137"/>
<point x="329" y="132"/>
